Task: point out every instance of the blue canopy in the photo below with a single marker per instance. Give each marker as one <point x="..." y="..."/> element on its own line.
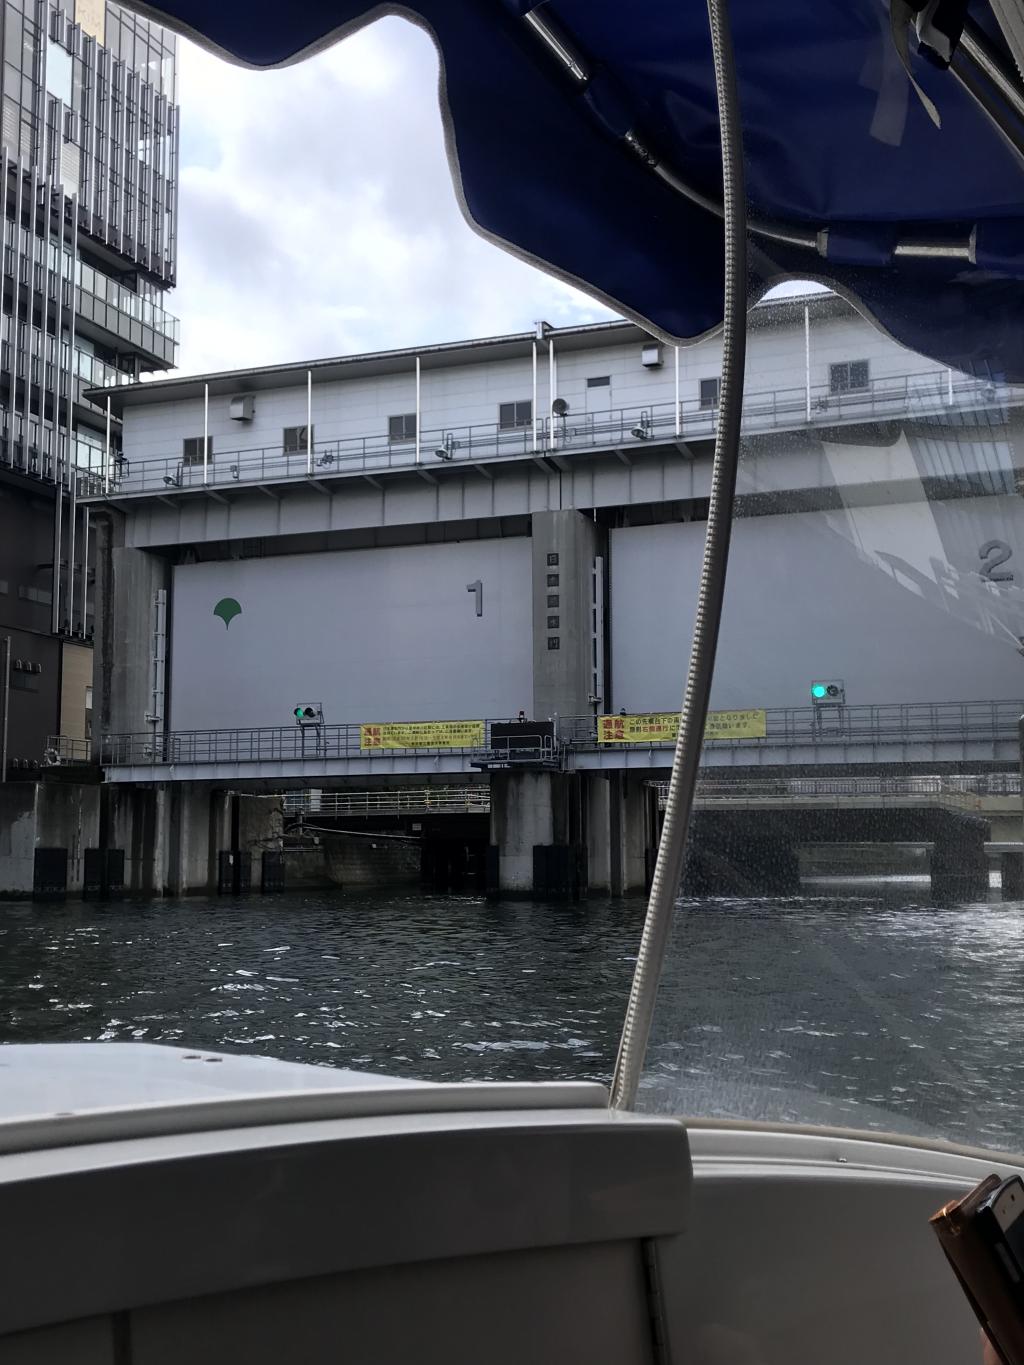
<point x="583" y="136"/>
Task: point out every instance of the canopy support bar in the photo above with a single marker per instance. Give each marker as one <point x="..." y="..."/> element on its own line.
<point x="923" y="245"/>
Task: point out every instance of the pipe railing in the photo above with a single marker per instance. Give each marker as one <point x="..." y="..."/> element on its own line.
<point x="963" y="791"/>
<point x="785" y="727"/>
<point x="918" y="395"/>
<point x="448" y="800"/>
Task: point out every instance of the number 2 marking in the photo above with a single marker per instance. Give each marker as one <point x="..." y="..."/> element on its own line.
<point x="992" y="554"/>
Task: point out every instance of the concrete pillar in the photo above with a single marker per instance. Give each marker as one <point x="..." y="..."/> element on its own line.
<point x="637" y="826"/>
<point x="130" y="823"/>
<point x="959" y="864"/>
<point x="530" y="810"/>
<point x="564" y="547"/>
<point x="603" y="855"/>
<point x="68" y="816"/>
<point x="194" y="825"/>
<point x="522" y="816"/>
<point x="126" y="581"/>
<point x="1011" y="870"/>
<point x="621" y="831"/>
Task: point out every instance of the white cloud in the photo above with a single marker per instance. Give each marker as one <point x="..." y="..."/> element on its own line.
<point x="318" y="215"/>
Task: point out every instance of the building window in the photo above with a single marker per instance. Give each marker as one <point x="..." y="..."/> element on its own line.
<point x="553" y="622"/>
<point x="296" y="440"/>
<point x="602" y="381"/>
<point x="553" y="559"/>
<point x="849" y="376"/>
<point x="403" y="427"/>
<point x="512" y="415"/>
<point x="553" y="642"/>
<point x="552" y="599"/>
<point x="192" y="450"/>
<point x="709" y="392"/>
<point x="552" y="580"/>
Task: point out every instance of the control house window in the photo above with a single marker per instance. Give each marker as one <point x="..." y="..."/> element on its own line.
<point x="192" y="451"/>
<point x="513" y="415"/>
<point x="849" y="376"/>
<point x="402" y="427"/>
<point x="296" y="440"/>
<point x="600" y="382"/>
<point x="709" y="392"/>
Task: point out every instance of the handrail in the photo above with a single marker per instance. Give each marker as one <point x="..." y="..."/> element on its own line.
<point x="388" y="801"/>
<point x="925" y="394"/>
<point x="960" y="790"/>
<point x="790" y="727"/>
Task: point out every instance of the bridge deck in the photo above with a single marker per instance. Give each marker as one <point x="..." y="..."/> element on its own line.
<point x="924" y="736"/>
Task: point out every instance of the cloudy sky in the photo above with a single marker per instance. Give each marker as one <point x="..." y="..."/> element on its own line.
<point x="318" y="216"/>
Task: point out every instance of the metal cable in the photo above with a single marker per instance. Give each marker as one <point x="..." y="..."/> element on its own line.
<point x="672" y="848"/>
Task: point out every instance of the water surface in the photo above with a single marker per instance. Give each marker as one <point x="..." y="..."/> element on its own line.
<point x="862" y="1006"/>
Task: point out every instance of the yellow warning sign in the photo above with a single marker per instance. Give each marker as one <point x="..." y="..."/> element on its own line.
<point x="662" y="728"/>
<point x="736" y="725"/>
<point x="423" y="734"/>
<point x="653" y="729"/>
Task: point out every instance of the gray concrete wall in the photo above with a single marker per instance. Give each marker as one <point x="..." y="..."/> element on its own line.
<point x="824" y="472"/>
<point x="389" y="634"/>
<point x="361" y="862"/>
<point x="888" y="598"/>
<point x="45" y="815"/>
<point x="564" y="546"/>
<point x="68" y="817"/>
<point x="17" y="837"/>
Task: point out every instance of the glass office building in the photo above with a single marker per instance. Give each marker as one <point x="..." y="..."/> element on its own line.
<point x="88" y="201"/>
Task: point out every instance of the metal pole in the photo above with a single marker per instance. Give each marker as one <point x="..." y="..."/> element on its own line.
<point x="949" y="387"/>
<point x="534" y="408"/>
<point x="16" y="318"/>
<point x="72" y="394"/>
<point x="85" y="566"/>
<point x="417" y="409"/>
<point x="679" y="420"/>
<point x="72" y="527"/>
<point x="106" y="458"/>
<point x="309" y="421"/>
<point x="206" y="433"/>
<point x="5" y="705"/>
<point x="807" y="357"/>
<point x="552" y="391"/>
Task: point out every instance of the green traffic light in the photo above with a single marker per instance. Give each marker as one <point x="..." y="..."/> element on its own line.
<point x="818" y="691"/>
<point x="297" y="713"/>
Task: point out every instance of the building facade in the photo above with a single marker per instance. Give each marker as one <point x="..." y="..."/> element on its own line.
<point x="88" y="200"/>
<point x="567" y="474"/>
<point x="363" y="570"/>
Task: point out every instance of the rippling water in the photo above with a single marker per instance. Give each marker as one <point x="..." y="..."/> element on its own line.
<point x="868" y="1010"/>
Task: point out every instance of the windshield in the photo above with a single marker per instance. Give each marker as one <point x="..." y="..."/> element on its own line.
<point x="843" y="950"/>
<point x="340" y="729"/>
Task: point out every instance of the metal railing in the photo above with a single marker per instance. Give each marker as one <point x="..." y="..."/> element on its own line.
<point x="964" y="792"/>
<point x="809" y="726"/>
<point x="62" y="750"/>
<point x="135" y="306"/>
<point x="264" y="745"/>
<point x="785" y="727"/>
<point x="329" y="805"/>
<point x="918" y="395"/>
